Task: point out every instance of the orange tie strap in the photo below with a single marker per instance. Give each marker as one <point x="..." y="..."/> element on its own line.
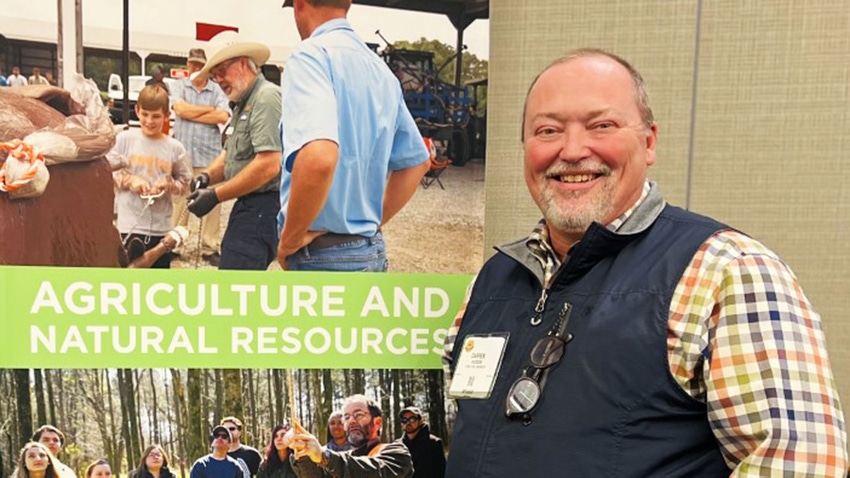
<point x="22" y="152"/>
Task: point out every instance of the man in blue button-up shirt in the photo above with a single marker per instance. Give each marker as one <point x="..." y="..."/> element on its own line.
<point x="352" y="153"/>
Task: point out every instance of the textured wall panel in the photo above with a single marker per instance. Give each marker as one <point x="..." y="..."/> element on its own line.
<point x="772" y="142"/>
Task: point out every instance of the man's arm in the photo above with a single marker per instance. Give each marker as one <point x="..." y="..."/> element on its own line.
<point x="260" y="170"/>
<point x="392" y="461"/>
<point x="771" y="395"/>
<point x="400" y="188"/>
<point x="200" y="113"/>
<point x="216" y="168"/>
<point x="312" y="176"/>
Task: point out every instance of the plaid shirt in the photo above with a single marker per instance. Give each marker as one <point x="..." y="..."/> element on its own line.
<point x="202" y="141"/>
<point x="744" y="339"/>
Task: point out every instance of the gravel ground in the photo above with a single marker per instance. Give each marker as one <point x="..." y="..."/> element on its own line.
<point x="439" y="231"/>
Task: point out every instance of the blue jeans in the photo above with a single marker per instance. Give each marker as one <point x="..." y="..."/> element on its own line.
<point x="250" y="241"/>
<point x="368" y="254"/>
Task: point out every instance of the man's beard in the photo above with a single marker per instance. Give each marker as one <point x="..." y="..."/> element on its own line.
<point x="360" y="437"/>
<point x="571" y="212"/>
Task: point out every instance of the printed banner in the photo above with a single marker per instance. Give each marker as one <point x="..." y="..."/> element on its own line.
<point x="56" y="317"/>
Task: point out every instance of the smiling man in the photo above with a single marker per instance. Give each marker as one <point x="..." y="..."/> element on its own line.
<point x="248" y="169"/>
<point x="369" y="459"/>
<point x="625" y="336"/>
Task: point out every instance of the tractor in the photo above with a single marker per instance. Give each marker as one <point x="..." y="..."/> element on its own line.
<point x="444" y="112"/>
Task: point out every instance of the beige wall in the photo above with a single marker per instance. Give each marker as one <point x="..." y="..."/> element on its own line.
<point x="770" y="136"/>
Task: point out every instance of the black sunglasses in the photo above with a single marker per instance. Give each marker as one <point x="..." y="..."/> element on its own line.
<point x="409" y="419"/>
<point x="526" y="391"/>
<point x="222" y="435"/>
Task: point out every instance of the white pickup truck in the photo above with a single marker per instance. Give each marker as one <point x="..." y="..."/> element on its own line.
<point x="115" y="92"/>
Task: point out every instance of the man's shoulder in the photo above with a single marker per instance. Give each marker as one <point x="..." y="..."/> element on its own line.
<point x="266" y="91"/>
<point x="246" y="449"/>
<point x="202" y="461"/>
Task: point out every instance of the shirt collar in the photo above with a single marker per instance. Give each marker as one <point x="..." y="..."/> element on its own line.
<point x="540" y="247"/>
<point x="330" y="25"/>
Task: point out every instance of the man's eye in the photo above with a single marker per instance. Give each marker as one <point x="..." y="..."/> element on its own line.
<point x="546" y="131"/>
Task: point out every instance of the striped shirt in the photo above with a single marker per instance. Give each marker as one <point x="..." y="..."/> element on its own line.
<point x="744" y="339"/>
<point x="202" y="141"/>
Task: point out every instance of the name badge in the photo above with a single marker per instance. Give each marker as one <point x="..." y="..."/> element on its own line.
<point x="478" y="366"/>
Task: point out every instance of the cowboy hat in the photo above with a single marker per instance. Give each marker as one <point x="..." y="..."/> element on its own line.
<point x="227" y="45"/>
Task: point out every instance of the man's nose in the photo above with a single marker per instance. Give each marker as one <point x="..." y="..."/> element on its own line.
<point x="575" y="141"/>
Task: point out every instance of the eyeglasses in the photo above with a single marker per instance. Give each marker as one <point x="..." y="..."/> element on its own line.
<point x="154" y="454"/>
<point x="223" y="436"/>
<point x="358" y="415"/>
<point x="409" y="419"/>
<point x="220" y="70"/>
<point x="526" y="391"/>
<point x="233" y="429"/>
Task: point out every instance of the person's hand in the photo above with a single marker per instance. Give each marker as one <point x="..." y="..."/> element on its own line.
<point x="138" y="185"/>
<point x="284" y="251"/>
<point x="202" y="201"/>
<point x="303" y="443"/>
<point x="199" y="182"/>
<point x="165" y="183"/>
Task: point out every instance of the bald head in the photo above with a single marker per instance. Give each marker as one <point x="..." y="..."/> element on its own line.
<point x="640" y="93"/>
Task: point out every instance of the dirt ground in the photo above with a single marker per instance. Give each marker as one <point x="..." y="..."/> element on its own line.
<point x="439" y="231"/>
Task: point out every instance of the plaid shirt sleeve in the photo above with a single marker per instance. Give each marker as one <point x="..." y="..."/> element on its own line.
<point x="744" y="338"/>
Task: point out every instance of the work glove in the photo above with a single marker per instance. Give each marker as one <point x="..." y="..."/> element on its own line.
<point x="199" y="182"/>
<point x="202" y="201"/>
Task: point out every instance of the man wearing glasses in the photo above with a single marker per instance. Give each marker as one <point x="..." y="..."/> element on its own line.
<point x="248" y="169"/>
<point x="369" y="459"/>
<point x="247" y="454"/>
<point x="624" y="336"/>
<point x="217" y="464"/>
<point x="429" y="459"/>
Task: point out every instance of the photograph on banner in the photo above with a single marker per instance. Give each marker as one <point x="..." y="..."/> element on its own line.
<point x="119" y="414"/>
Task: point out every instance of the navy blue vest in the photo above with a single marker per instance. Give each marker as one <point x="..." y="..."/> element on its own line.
<point x="610" y="407"/>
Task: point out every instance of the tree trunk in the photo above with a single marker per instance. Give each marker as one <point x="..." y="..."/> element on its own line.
<point x="358" y="382"/>
<point x="115" y="441"/>
<point x="124" y="392"/>
<point x="41" y="408"/>
<point x="396" y="384"/>
<point x="181" y="418"/>
<point x="51" y="405"/>
<point x="157" y="437"/>
<point x="279" y="396"/>
<point x="436" y="403"/>
<point x="197" y="428"/>
<point x="219" y="396"/>
<point x="22" y="393"/>
<point x="252" y="402"/>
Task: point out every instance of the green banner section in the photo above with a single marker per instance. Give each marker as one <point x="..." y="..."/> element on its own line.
<point x="56" y="317"/>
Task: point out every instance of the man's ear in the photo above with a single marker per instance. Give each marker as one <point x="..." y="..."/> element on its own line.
<point x="378" y="422"/>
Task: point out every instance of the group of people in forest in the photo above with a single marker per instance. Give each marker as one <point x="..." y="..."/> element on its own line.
<point x="353" y="448"/>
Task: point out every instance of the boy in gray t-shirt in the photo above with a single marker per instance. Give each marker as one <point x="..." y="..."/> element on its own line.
<point x="149" y="167"/>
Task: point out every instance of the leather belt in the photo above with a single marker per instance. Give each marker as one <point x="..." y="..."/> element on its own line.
<point x="331" y="239"/>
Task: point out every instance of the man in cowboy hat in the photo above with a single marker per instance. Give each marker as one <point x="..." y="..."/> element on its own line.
<point x="200" y="107"/>
<point x="248" y="169"/>
<point x="353" y="154"/>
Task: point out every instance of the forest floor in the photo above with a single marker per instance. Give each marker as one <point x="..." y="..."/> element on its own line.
<point x="438" y="231"/>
